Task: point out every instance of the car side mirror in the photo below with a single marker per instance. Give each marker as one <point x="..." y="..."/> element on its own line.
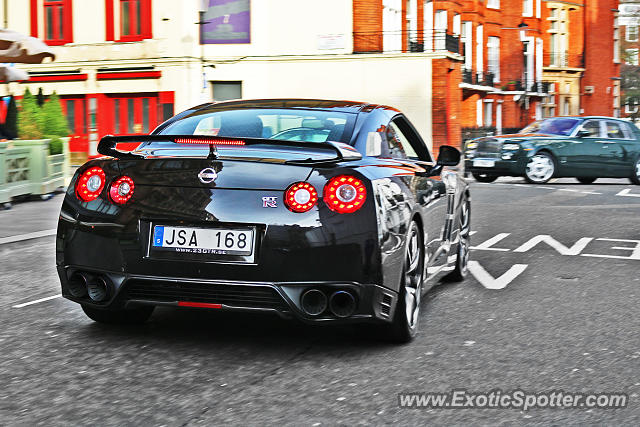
<point x="448" y="156"/>
<point x="374" y="144"/>
<point x="583" y="133"/>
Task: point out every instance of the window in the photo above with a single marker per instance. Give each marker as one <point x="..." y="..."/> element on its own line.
<point x="133" y="16"/>
<point x="527" y="8"/>
<point x="440" y="29"/>
<point x="224" y="91"/>
<point x="58" y="22"/>
<point x="493" y="4"/>
<point x="467" y="41"/>
<point x="275" y="123"/>
<point x="632" y="56"/>
<point x="592" y="127"/>
<point x="632" y="33"/>
<point x="488" y="114"/>
<point x="399" y="145"/>
<point x="479" y="49"/>
<point x="614" y="130"/>
<point x="493" y="53"/>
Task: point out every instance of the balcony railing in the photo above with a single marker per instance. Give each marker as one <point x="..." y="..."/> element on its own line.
<point x="563" y="60"/>
<point x="479" y="79"/>
<point x="405" y="41"/>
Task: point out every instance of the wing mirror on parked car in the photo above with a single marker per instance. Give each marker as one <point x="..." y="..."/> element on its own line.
<point x="583" y="133"/>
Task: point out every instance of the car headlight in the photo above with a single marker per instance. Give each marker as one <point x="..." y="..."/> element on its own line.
<point x="511" y="147"/>
<point x="472" y="145"/>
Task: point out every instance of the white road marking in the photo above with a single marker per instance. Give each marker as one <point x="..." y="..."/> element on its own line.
<point x="562" y="249"/>
<point x="567" y="189"/>
<point x="36" y="301"/>
<point x="627" y="193"/>
<point x="28" y="236"/>
<point x="589" y="192"/>
<point x="486" y="245"/>
<point x="489" y="282"/>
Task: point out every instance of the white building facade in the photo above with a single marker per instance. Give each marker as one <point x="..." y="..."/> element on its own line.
<point x="124" y="66"/>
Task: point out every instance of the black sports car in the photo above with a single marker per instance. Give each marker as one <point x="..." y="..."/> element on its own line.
<point x="327" y="211"/>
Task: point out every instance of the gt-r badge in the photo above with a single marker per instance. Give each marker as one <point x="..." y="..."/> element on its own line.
<point x="207" y="175"/>
<point x="269" y="202"/>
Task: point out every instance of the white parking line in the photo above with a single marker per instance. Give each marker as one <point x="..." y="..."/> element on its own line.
<point x="627" y="193"/>
<point x="28" y="236"/>
<point x="36" y="301"/>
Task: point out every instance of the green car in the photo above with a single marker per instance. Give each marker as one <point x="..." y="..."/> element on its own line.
<point x="586" y="148"/>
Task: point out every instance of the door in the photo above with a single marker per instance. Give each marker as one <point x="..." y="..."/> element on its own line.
<point x="406" y="146"/>
<point x="584" y="150"/>
<point x="617" y="149"/>
<point x="132" y="114"/>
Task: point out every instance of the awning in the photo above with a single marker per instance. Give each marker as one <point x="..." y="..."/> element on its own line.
<point x="19" y="48"/>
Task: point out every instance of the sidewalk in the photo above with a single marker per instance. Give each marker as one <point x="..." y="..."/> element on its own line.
<point x="30" y="216"/>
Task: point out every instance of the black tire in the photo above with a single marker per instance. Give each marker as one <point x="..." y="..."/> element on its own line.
<point x="586" y="179"/>
<point x="402" y="329"/>
<point x="635" y="174"/>
<point x="461" y="269"/>
<point x="531" y="171"/>
<point x="130" y="316"/>
<point x="483" y="177"/>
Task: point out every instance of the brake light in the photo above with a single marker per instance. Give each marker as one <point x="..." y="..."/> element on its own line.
<point x="345" y="194"/>
<point x="300" y="197"/>
<point x="121" y="190"/>
<point x="90" y="184"/>
<point x="209" y="141"/>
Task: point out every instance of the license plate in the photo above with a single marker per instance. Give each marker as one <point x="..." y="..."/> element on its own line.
<point x="214" y="241"/>
<point x="484" y="163"/>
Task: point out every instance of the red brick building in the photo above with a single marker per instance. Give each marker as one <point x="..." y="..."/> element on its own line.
<point x="500" y="64"/>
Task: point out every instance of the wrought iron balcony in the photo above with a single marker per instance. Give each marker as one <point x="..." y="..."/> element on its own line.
<point x="405" y="41"/>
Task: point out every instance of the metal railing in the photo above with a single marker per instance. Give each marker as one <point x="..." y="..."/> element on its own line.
<point x="563" y="60"/>
<point x="479" y="79"/>
<point x="405" y="41"/>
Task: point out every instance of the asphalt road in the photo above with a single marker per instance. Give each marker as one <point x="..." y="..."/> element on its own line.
<point x="551" y="305"/>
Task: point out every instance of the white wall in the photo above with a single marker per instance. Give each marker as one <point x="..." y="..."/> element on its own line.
<point x="402" y="81"/>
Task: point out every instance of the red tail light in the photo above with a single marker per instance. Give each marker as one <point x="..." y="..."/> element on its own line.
<point x="121" y="190"/>
<point x="90" y="184"/>
<point x="300" y="197"/>
<point x="345" y="194"/>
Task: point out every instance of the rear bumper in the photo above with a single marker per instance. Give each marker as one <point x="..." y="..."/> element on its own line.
<point x="373" y="303"/>
<point x="515" y="167"/>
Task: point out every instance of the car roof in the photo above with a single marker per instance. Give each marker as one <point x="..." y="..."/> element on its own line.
<point x="311" y="104"/>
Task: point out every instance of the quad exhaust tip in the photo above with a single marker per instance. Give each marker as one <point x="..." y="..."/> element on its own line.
<point x="82" y="284"/>
<point x="313" y="302"/>
<point x="342" y="304"/>
<point x="78" y="284"/>
<point x="98" y="289"/>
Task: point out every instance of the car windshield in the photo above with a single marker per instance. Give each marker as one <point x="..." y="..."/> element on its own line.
<point x="556" y="126"/>
<point x="277" y="124"/>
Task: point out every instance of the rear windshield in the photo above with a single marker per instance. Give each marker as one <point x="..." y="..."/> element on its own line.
<point x="277" y="124"/>
<point x="554" y="126"/>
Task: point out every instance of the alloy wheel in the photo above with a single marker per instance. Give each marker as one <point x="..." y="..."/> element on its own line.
<point x="413" y="277"/>
<point x="540" y="168"/>
<point x="465" y="239"/>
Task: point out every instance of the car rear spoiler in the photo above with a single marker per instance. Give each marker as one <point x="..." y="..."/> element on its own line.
<point x="344" y="152"/>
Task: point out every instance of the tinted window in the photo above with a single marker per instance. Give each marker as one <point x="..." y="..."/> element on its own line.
<point x="593" y="127"/>
<point x="554" y="126"/>
<point x="399" y="145"/>
<point x="277" y="124"/>
<point x="614" y="130"/>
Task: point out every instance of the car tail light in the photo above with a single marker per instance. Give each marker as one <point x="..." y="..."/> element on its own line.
<point x="210" y="141"/>
<point x="90" y="184"/>
<point x="300" y="197"/>
<point x="345" y="194"/>
<point x="121" y="190"/>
